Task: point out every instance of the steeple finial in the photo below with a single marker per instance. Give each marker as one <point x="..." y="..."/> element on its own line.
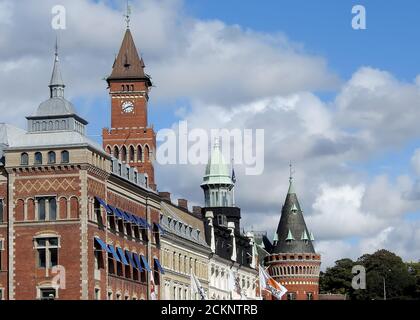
<point x="127" y="15"/>
<point x="56" y="83"/>
<point x="291" y="172"/>
<point x="56" y="48"/>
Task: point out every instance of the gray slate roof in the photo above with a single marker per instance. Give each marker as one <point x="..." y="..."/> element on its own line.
<point x="168" y="211"/>
<point x="293" y="221"/>
<point x="56" y="106"/>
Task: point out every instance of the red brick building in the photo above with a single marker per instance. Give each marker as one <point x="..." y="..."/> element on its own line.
<point x="293" y="261"/>
<point x="75" y="222"/>
<point x="130" y="139"/>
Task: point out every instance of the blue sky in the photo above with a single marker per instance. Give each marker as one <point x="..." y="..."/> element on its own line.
<point x="324" y="28"/>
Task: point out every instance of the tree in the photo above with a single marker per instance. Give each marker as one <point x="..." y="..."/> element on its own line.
<point x="386" y="274"/>
<point x="384" y="270"/>
<point x="337" y="279"/>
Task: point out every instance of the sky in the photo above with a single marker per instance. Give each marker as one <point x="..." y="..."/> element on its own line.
<point x="341" y="104"/>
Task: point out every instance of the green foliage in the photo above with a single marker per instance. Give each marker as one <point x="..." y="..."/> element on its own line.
<point x="401" y="280"/>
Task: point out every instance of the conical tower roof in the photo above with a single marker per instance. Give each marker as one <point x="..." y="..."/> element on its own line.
<point x="292" y="223"/>
<point x="217" y="169"/>
<point x="128" y="64"/>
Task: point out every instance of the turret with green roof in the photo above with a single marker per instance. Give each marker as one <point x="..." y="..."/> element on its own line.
<point x="292" y="232"/>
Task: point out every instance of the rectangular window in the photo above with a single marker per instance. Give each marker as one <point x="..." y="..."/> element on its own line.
<point x="1" y="294"/>
<point x="1" y="211"/>
<point x="47" y="208"/>
<point x="47" y="252"/>
<point x="111" y="264"/>
<point x="48" y="294"/>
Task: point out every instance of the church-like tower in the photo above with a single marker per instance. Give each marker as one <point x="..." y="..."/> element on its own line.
<point x="293" y="261"/>
<point x="130" y="138"/>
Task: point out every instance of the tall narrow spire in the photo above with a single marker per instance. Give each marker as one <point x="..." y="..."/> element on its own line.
<point x="56" y="83"/>
<point x="127" y="15"/>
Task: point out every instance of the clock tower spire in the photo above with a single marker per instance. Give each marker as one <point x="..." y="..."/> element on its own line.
<point x="130" y="138"/>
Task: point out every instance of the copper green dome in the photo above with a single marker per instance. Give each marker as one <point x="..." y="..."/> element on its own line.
<point x="217" y="169"/>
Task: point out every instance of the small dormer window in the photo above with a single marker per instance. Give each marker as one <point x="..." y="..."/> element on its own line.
<point x="290" y="237"/>
<point x="294" y="209"/>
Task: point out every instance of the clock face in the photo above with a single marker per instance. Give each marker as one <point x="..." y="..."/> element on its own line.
<point x="127" y="107"/>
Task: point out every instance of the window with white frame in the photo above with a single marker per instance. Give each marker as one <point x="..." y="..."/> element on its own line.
<point x="47" y="293"/>
<point x="47" y="251"/>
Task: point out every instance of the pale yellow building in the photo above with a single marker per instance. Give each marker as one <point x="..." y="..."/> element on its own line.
<point x="183" y="249"/>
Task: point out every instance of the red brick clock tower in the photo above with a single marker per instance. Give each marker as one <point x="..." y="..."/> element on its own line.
<point x="130" y="138"/>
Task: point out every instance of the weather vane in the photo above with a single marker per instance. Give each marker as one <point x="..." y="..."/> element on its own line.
<point x="291" y="171"/>
<point x="127" y="15"/>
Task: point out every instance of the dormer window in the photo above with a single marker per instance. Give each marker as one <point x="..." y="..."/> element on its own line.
<point x="294" y="209"/>
<point x="289" y="238"/>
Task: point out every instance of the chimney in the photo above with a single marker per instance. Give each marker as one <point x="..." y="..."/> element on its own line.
<point x="165" y="196"/>
<point x="183" y="203"/>
<point x="196" y="210"/>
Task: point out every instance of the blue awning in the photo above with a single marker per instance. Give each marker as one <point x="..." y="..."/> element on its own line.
<point x="122" y="256"/>
<point x="132" y="217"/>
<point x="158" y="266"/>
<point x="143" y="223"/>
<point x="124" y="215"/>
<point x="145" y="263"/>
<point x="102" y="203"/>
<point x="130" y="258"/>
<point x="115" y="211"/>
<point x="161" y="230"/>
<point x="102" y="244"/>
<point x="114" y="253"/>
<point x="137" y="259"/>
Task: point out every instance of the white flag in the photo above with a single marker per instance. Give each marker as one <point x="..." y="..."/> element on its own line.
<point x="268" y="283"/>
<point x="196" y="287"/>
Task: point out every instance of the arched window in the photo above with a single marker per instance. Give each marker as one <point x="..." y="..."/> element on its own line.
<point x="146" y="153"/>
<point x="38" y="158"/>
<point x="132" y="87"/>
<point x="53" y="208"/>
<point x="116" y="152"/>
<point x="24" y="159"/>
<point x="108" y="150"/>
<point x="65" y="157"/>
<point x="51" y="157"/>
<point x="139" y="154"/>
<point x="124" y="154"/>
<point x="131" y="156"/>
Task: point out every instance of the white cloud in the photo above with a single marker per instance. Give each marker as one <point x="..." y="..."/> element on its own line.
<point x="337" y="213"/>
